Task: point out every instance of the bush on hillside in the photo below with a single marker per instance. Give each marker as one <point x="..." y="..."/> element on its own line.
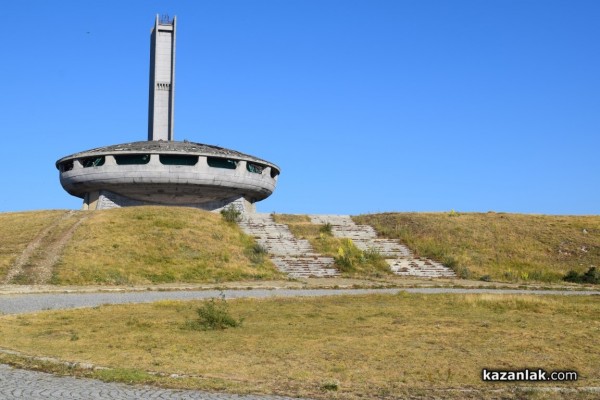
<point x="257" y="253"/>
<point x="327" y="229"/>
<point x="350" y="258"/>
<point x="592" y="275"/>
<point x="231" y="214"/>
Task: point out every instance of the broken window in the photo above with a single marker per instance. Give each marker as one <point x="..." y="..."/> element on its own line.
<point x="66" y="166"/>
<point x="132" y="159"/>
<point x="92" y="161"/>
<point x="177" y="159"/>
<point x="255" y="168"/>
<point x="217" y="162"/>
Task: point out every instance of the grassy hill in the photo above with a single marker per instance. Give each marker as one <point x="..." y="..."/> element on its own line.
<point x="138" y="245"/>
<point x="152" y="245"/>
<point x="19" y="229"/>
<point x="497" y="246"/>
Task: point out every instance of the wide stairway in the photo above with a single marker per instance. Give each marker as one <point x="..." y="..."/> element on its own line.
<point x="292" y="256"/>
<point x="398" y="256"/>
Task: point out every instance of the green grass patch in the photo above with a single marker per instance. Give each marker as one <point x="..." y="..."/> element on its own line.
<point x="497" y="246"/>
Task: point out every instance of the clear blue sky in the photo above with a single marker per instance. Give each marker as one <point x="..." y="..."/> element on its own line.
<point x="366" y="106"/>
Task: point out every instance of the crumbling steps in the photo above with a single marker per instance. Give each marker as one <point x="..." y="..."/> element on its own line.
<point x="305" y="267"/>
<point x="292" y="256"/>
<point x="363" y="236"/>
<point x="388" y="248"/>
<point x="398" y="256"/>
<point x="420" y="267"/>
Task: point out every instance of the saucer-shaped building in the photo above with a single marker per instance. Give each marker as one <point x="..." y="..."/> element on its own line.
<point x="161" y="170"/>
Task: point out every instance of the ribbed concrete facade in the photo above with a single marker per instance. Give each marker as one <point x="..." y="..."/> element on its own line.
<point x="162" y="80"/>
<point x="167" y="173"/>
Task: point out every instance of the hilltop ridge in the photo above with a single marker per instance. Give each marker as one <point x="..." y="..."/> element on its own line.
<point x="126" y="246"/>
<point x="154" y="245"/>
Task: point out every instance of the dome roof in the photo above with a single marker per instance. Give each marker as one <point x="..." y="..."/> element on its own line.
<point x="168" y="147"/>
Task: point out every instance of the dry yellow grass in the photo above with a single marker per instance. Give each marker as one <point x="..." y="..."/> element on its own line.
<point x="140" y="245"/>
<point x="18" y="229"/>
<point x="505" y="247"/>
<point x="376" y="346"/>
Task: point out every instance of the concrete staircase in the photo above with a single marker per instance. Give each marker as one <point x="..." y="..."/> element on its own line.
<point x="292" y="256"/>
<point x="399" y="257"/>
<point x="297" y="258"/>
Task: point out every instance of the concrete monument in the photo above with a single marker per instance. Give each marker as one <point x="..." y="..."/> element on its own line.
<point x="161" y="170"/>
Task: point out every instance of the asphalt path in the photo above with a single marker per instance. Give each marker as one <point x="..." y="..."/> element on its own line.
<point x="26" y="303"/>
<point x="22" y="384"/>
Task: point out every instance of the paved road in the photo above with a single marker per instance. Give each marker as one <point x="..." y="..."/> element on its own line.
<point x="24" y="303"/>
<point x="31" y="385"/>
<point x="21" y="384"/>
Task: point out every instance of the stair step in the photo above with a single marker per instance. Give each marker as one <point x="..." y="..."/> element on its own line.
<point x="399" y="257"/>
<point x="296" y="257"/>
<point x="290" y="255"/>
<point x="420" y="267"/>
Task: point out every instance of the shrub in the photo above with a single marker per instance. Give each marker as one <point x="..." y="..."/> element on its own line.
<point x="592" y="275"/>
<point x="463" y="272"/>
<point x="326" y="229"/>
<point x="372" y="254"/>
<point x="351" y="259"/>
<point x="571" y="276"/>
<point x="449" y="262"/>
<point x="231" y="214"/>
<point x="257" y="253"/>
<point x="330" y="385"/>
<point x="348" y="255"/>
<point x="214" y="315"/>
<point x="453" y="213"/>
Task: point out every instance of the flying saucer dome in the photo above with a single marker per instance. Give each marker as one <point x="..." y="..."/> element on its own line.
<point x="169" y="173"/>
<point x="161" y="170"/>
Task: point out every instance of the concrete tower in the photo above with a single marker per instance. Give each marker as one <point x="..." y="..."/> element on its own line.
<point x="162" y="79"/>
<point x="162" y="170"/>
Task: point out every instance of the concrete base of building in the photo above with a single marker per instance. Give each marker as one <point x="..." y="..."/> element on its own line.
<point x="104" y="200"/>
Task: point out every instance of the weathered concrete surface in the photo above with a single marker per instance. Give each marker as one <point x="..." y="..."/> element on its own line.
<point x="33" y="385"/>
<point x="107" y="200"/>
<point x="291" y="255"/>
<point x="159" y="183"/>
<point x="398" y="256"/>
<point x="162" y="80"/>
